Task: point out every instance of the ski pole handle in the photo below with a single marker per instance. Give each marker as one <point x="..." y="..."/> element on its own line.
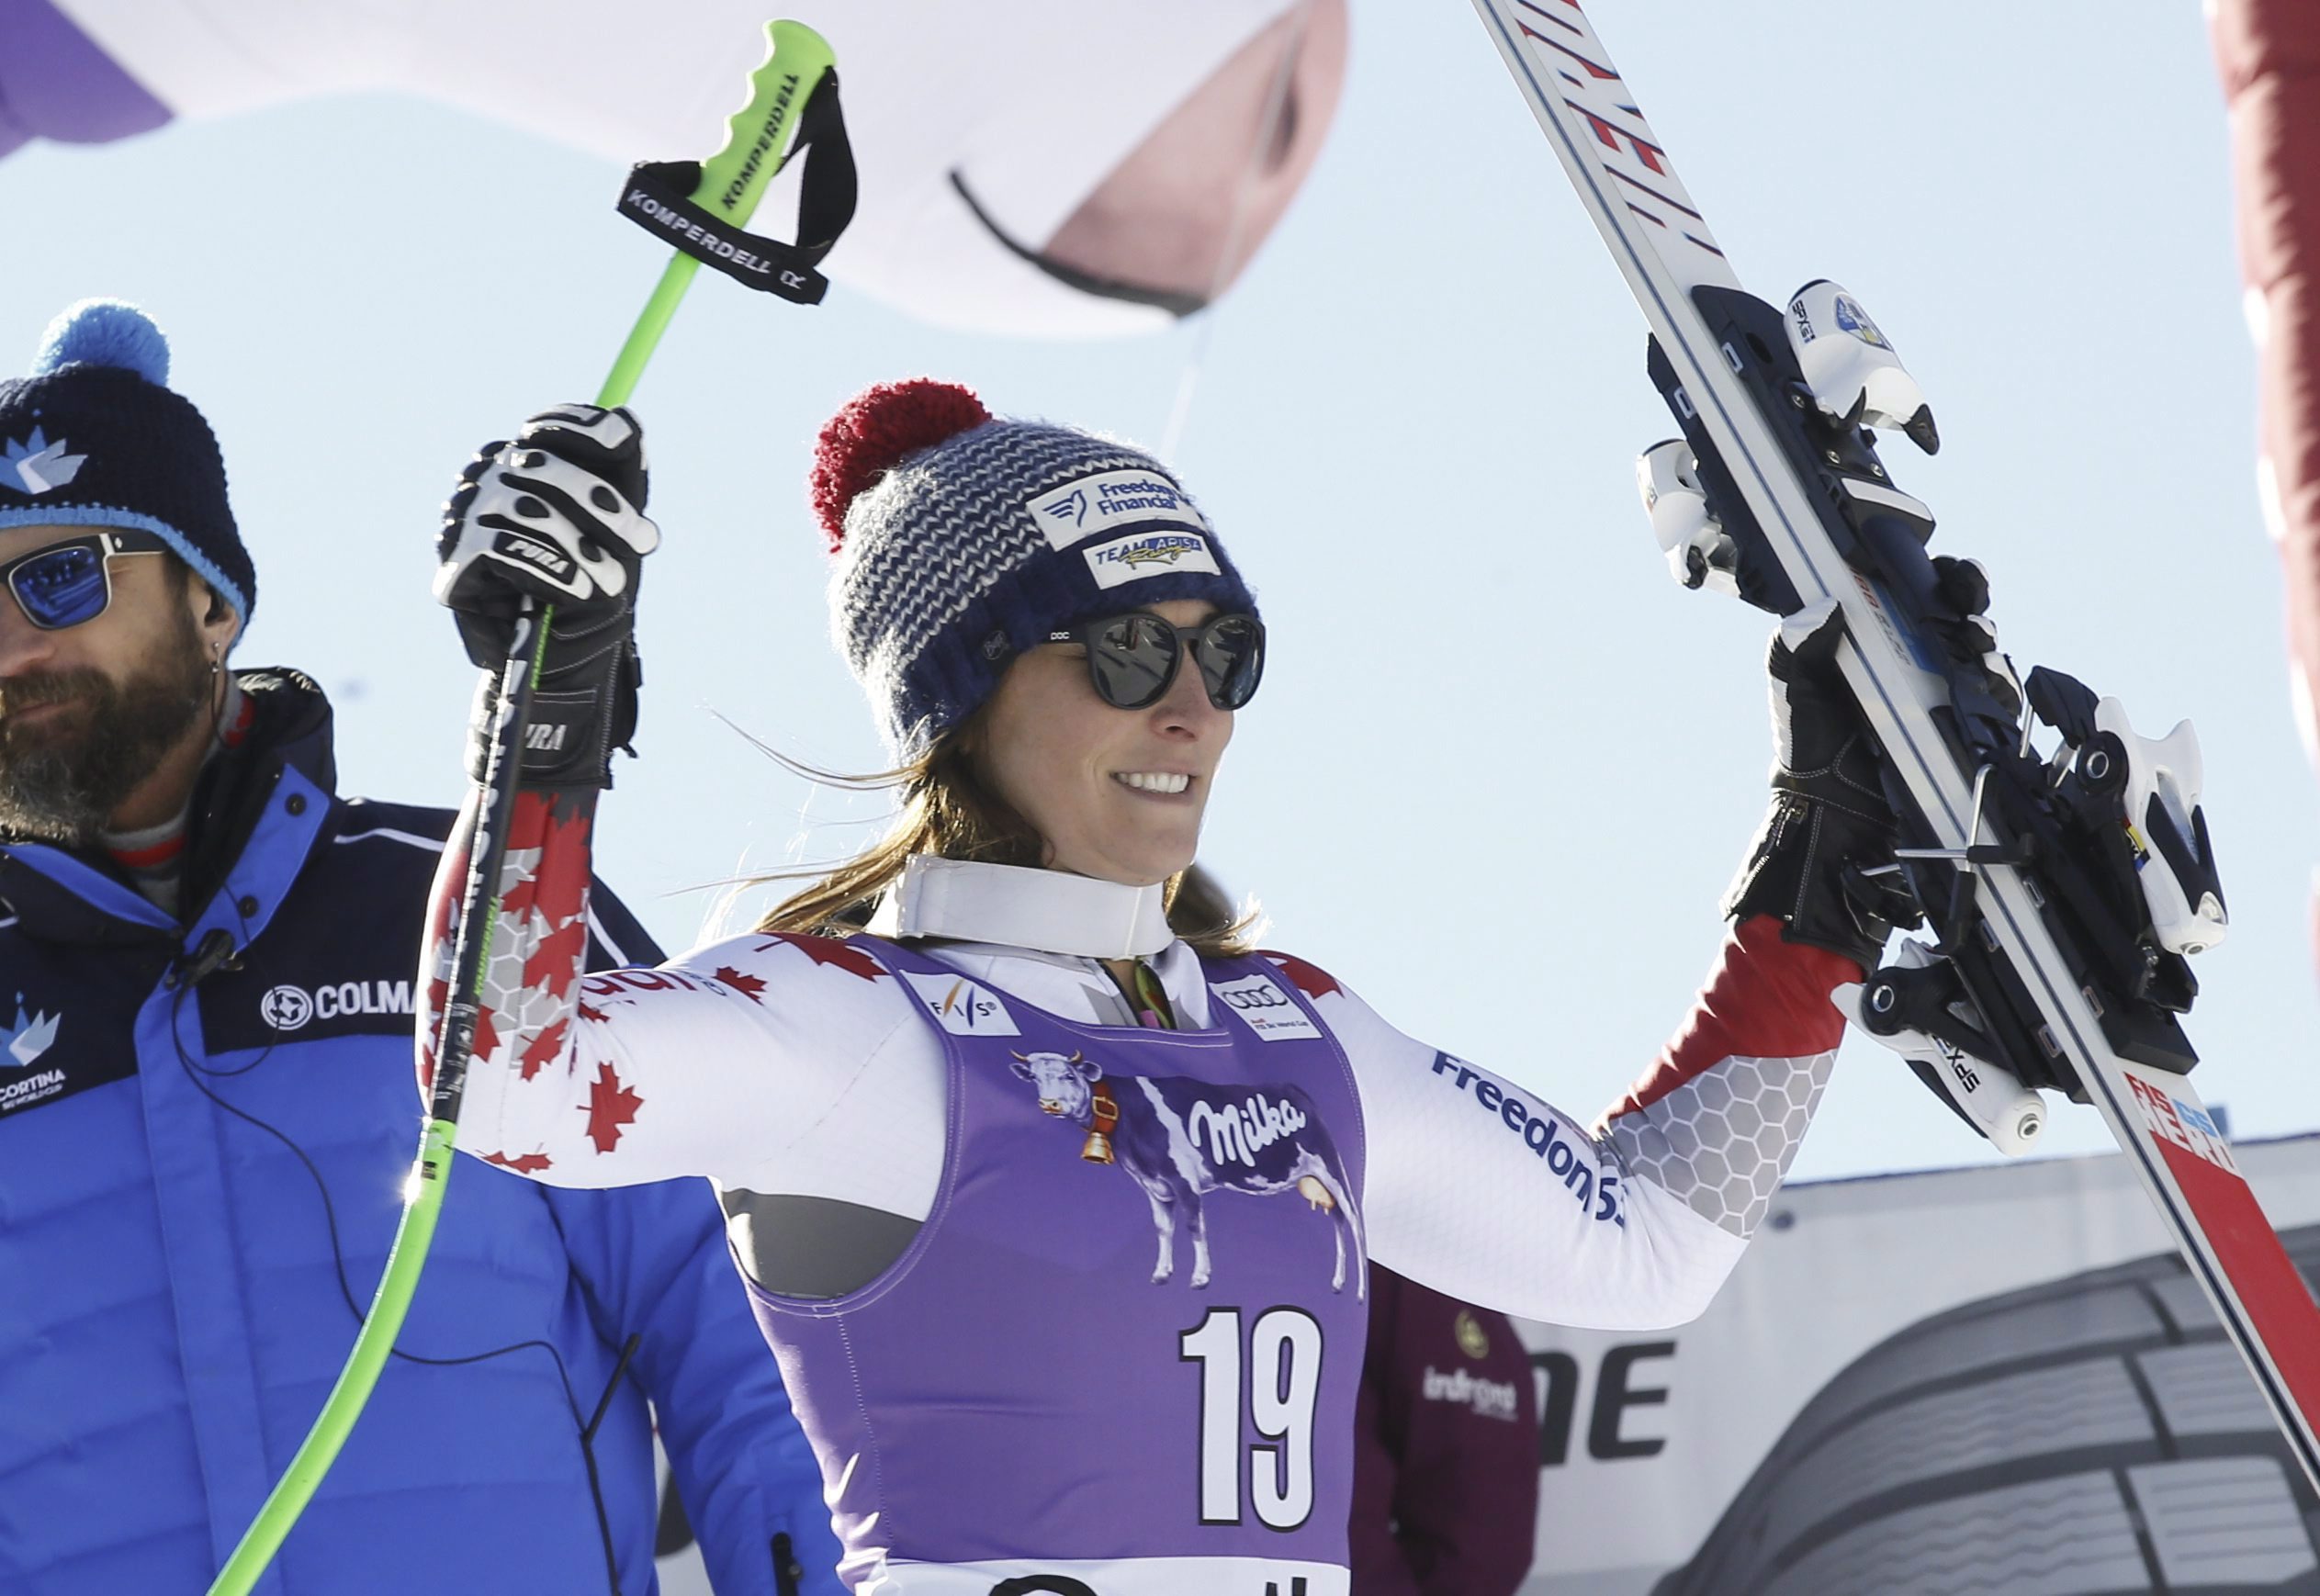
<point x="757" y="144"/>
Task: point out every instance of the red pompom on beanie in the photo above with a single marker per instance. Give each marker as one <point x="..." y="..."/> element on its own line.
<point x="877" y="430"/>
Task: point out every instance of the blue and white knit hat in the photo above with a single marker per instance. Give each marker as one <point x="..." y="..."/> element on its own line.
<point x="964" y="539"/>
<point x="94" y="436"/>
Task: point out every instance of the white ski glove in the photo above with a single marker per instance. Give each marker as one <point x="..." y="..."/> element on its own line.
<point x="554" y="517"/>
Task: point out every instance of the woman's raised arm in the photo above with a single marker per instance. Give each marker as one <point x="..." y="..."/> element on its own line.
<point x="631" y="1075"/>
<point x="1483" y="1191"/>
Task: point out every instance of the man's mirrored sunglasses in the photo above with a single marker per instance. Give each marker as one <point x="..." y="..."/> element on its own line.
<point x="68" y="583"/>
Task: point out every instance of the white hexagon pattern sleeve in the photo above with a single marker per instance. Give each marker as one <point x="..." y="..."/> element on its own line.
<point x="1479" y="1190"/>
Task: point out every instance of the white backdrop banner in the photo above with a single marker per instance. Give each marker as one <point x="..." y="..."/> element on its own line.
<point x="1989" y="1380"/>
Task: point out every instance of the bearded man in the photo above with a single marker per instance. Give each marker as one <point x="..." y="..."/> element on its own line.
<point x="206" y="1019"/>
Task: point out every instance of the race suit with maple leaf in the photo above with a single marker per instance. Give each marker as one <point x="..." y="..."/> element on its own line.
<point x="793" y="1066"/>
<point x="539" y="942"/>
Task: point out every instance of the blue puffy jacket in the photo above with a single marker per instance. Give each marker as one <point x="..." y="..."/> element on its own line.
<point x="200" y="1169"/>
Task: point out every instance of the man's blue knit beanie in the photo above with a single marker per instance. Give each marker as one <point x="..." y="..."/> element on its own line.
<point x="964" y="539"/>
<point x="94" y="436"/>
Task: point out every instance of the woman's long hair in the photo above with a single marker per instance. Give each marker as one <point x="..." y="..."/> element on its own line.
<point x="948" y="810"/>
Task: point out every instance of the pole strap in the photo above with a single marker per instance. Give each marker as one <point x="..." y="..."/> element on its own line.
<point x="658" y="197"/>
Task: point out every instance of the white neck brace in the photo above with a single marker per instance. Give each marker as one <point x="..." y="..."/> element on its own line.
<point x="1047" y="911"/>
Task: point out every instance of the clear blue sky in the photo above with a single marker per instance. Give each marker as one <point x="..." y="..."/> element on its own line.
<point x="1502" y="765"/>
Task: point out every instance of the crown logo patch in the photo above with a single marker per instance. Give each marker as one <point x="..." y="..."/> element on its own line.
<point x="36" y="465"/>
<point x="31" y="1036"/>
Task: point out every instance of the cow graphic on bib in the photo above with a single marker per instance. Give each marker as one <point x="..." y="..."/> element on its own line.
<point x="1180" y="1138"/>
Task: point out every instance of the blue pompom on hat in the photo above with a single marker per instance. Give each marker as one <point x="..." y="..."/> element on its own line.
<point x="963" y="539"/>
<point x="94" y="436"/>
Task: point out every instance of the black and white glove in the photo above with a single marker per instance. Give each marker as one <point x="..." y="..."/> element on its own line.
<point x="1830" y="824"/>
<point x="556" y="517"/>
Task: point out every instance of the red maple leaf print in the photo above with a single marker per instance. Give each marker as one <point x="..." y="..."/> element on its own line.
<point x="523" y="1162"/>
<point x="610" y="1106"/>
<point x="546" y="1048"/>
<point x="487" y="1036"/>
<point x="829" y="950"/>
<point x="1311" y="980"/>
<point x="557" y="962"/>
<point x="558" y="893"/>
<point x="742" y="981"/>
<point x="589" y="1011"/>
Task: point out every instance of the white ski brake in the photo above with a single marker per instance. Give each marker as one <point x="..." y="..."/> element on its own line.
<point x="2046" y="969"/>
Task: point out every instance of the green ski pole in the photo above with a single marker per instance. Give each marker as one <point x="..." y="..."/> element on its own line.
<point x="761" y="138"/>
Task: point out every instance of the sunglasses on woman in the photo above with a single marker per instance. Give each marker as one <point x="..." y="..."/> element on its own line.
<point x="69" y="583"/>
<point x="1132" y="659"/>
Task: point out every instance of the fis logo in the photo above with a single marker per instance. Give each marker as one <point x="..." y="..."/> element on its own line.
<point x="35" y="466"/>
<point x="31" y="1036"/>
<point x="962" y="1007"/>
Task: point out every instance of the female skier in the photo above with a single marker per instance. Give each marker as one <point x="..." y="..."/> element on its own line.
<point x="1053" y="1196"/>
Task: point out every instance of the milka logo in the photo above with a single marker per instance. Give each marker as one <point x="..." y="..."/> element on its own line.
<point x="1111" y="499"/>
<point x="31" y="1035"/>
<point x="36" y="465"/>
<point x="1239" y="1131"/>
